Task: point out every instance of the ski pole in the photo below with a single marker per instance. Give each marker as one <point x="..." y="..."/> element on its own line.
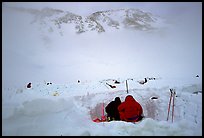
<point x="173" y="106"/>
<point x="102" y="110"/>
<point x="169" y="105"/>
<point x="127" y="86"/>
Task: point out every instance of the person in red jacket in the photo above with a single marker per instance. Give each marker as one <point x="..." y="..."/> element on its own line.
<point x="130" y="110"/>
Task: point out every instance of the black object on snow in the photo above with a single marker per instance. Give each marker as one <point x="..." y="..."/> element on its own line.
<point x="29" y="85"/>
<point x="117" y="82"/>
<point x="154" y="97"/>
<point x="112" y="86"/>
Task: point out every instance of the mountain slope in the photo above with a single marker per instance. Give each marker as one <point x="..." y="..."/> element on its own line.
<point x="99" y="21"/>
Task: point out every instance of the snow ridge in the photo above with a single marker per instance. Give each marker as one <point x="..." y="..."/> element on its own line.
<point x="99" y="21"/>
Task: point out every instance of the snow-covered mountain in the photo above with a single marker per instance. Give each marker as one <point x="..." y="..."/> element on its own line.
<point x="99" y="21"/>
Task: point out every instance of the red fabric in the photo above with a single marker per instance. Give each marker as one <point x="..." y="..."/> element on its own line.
<point x="96" y="120"/>
<point x="130" y="108"/>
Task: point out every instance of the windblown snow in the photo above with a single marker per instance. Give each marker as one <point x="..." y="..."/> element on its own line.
<point x="70" y="73"/>
<point x="68" y="109"/>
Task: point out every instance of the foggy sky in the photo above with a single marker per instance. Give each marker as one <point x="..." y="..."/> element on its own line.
<point x="175" y="52"/>
<point x="86" y="8"/>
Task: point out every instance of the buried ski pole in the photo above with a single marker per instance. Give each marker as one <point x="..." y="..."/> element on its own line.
<point x="169" y="105"/>
<point x="127" y="86"/>
<point x="173" y="93"/>
<point x="103" y="118"/>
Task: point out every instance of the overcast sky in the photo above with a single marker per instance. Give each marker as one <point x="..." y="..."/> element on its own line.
<point x="25" y="57"/>
<point x="85" y="8"/>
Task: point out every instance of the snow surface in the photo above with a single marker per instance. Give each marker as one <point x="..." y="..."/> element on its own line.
<point x="31" y="53"/>
<point x="37" y="111"/>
